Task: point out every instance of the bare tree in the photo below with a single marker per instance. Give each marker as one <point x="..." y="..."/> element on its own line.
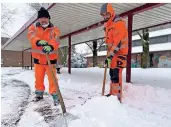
<point x="95" y="46"/>
<point x="6" y="18"/>
<point x="8" y="15"/>
<point x="35" y="6"/>
<point x="63" y="54"/>
<point x="145" y="44"/>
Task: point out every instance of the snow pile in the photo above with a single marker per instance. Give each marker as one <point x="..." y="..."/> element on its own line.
<point x="144" y="103"/>
<point x="9" y="71"/>
<point x="156" y="77"/>
<point x="149" y="99"/>
<point x="108" y="112"/>
<point x="14" y="97"/>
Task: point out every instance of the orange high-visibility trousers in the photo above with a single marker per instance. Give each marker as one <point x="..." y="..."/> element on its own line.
<point x="116" y="82"/>
<point x="116" y="67"/>
<point x="40" y="71"/>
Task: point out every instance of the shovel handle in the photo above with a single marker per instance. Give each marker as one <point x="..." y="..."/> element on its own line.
<point x="57" y="86"/>
<point x="104" y="80"/>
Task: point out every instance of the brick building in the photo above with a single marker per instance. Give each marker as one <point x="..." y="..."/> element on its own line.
<point x="14" y="58"/>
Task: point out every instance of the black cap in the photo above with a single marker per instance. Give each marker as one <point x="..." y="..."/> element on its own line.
<point x="43" y="13"/>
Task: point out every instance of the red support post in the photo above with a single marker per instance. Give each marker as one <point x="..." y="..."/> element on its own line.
<point x="69" y="54"/>
<point x="145" y="7"/>
<point x="22" y="59"/>
<point x="128" y="69"/>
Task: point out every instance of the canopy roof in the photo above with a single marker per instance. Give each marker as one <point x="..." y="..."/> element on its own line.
<point x="83" y="22"/>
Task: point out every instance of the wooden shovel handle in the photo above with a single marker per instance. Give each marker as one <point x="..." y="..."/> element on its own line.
<point x="57" y="86"/>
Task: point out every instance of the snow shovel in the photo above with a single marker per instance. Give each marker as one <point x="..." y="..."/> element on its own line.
<point x="57" y="86"/>
<point x="66" y="116"/>
<point x="104" y="78"/>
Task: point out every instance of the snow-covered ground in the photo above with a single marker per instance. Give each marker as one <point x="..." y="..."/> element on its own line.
<point x="146" y="102"/>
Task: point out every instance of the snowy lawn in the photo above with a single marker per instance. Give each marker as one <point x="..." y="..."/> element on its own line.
<point x="147" y="100"/>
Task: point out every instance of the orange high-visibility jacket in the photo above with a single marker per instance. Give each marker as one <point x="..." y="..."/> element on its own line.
<point x="116" y="34"/>
<point x="50" y="34"/>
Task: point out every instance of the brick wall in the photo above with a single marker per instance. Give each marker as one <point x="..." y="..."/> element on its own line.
<point x="13" y="58"/>
<point x="100" y="60"/>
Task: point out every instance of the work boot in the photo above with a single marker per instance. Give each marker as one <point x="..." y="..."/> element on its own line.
<point x="108" y="95"/>
<point x="58" y="72"/>
<point x="38" y="98"/>
<point x="55" y="99"/>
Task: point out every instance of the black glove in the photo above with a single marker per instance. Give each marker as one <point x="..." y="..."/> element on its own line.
<point x="110" y="57"/>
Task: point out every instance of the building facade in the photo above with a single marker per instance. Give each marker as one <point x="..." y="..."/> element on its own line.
<point x="14" y="58"/>
<point x="160" y="51"/>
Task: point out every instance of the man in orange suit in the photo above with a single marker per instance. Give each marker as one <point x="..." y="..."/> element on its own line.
<point x="116" y="35"/>
<point x="44" y="39"/>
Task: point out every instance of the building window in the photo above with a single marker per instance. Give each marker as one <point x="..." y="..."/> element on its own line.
<point x="169" y="38"/>
<point x="136" y="43"/>
<point x="162" y="39"/>
<point x="158" y="40"/>
<point x="154" y="40"/>
<point x="102" y="48"/>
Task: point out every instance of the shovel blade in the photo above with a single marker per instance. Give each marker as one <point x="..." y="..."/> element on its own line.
<point x="63" y="120"/>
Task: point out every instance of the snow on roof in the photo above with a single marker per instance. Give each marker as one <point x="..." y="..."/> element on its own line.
<point x="138" y="49"/>
<point x="155" y="33"/>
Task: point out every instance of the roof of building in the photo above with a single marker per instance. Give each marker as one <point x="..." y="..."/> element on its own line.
<point x="4" y="40"/>
<point x="84" y="22"/>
